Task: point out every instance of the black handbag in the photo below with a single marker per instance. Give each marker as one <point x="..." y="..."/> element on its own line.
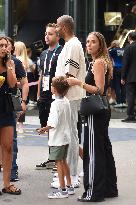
<point x="16" y="101"/>
<point x="93" y="104"/>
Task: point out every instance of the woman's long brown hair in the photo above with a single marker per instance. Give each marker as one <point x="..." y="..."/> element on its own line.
<point x="103" y="53"/>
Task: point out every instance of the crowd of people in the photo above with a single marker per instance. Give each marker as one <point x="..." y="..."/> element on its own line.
<point x="64" y="79"/>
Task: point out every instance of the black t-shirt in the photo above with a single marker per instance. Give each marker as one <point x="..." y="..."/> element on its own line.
<point x="19" y="69"/>
<point x="50" y="55"/>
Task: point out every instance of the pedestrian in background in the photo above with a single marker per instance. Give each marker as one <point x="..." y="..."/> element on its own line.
<point x="21" y="54"/>
<point x="31" y="71"/>
<point x="116" y="54"/>
<point x="129" y="76"/>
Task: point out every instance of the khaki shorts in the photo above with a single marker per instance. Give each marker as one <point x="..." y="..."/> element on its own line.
<point x="58" y="152"/>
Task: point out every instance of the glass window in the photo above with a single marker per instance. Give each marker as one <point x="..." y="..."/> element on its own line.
<point x="83" y="19"/>
<point x="2" y="16"/>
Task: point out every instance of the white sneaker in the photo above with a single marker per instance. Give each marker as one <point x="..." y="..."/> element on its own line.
<point x="55" y="184"/>
<point x="81" y="174"/>
<point x="118" y="105"/>
<point x="75" y="181"/>
<point x="59" y="194"/>
<point x="76" y="184"/>
<point x="124" y="105"/>
<point x="70" y="190"/>
<point x="31" y="104"/>
<point x="20" y="130"/>
<point x="112" y="101"/>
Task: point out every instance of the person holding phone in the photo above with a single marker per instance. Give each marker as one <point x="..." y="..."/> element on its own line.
<point x="7" y="70"/>
<point x="22" y="79"/>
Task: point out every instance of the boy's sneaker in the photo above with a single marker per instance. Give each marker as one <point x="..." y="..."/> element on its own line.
<point x="55" y="184"/>
<point x="81" y="174"/>
<point x="45" y="165"/>
<point x="59" y="194"/>
<point x="70" y="190"/>
<point x="76" y="184"/>
<point x="75" y="181"/>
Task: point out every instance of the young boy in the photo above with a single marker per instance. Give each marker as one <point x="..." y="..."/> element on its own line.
<point x="59" y="129"/>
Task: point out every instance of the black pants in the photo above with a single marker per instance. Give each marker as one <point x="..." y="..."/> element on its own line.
<point x="131" y="96"/>
<point x="120" y="89"/>
<point x="98" y="162"/>
<point x="79" y="126"/>
<point x="44" y="110"/>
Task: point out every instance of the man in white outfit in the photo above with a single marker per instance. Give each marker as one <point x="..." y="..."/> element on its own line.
<point x="71" y="63"/>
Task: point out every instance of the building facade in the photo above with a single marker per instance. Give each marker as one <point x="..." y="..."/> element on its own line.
<point x="25" y="20"/>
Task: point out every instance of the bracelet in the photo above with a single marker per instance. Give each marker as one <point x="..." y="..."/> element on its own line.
<point x="82" y="85"/>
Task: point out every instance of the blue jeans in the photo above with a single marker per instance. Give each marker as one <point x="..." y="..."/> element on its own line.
<point x="15" y="151"/>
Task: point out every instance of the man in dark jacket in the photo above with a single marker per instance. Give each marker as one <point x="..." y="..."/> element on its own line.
<point x="129" y="76"/>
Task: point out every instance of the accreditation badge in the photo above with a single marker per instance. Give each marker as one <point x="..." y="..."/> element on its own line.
<point x="45" y="83"/>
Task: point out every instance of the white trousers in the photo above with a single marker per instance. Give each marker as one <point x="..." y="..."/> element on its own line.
<point x="73" y="151"/>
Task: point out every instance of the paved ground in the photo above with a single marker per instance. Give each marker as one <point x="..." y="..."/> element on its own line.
<point x="35" y="184"/>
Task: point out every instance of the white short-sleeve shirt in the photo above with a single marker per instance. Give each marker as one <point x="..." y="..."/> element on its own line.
<point x="71" y="60"/>
<point x="60" y="120"/>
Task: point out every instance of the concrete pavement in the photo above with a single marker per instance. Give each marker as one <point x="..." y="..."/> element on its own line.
<point x="35" y="184"/>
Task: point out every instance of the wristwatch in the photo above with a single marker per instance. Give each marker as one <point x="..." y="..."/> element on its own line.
<point x="24" y="101"/>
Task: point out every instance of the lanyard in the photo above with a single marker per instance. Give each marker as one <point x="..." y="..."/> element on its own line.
<point x="53" y="54"/>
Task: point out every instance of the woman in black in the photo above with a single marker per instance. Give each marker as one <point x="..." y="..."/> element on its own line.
<point x="7" y="120"/>
<point x="100" y="179"/>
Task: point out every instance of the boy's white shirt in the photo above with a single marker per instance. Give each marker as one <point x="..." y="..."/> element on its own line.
<point x="71" y="60"/>
<point x="60" y="119"/>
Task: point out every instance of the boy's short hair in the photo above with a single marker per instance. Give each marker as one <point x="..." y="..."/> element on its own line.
<point x="61" y="85"/>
